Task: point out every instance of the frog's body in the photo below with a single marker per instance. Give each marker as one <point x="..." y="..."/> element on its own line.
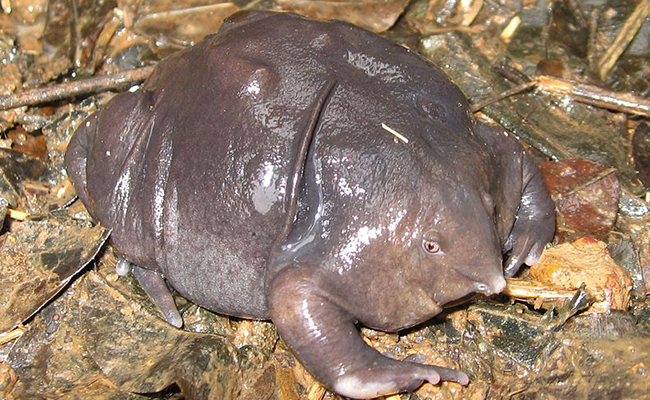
<point x="315" y="174"/>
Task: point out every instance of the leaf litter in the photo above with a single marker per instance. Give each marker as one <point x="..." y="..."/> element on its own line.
<point x="71" y="328"/>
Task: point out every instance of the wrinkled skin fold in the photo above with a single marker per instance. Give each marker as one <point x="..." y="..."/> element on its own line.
<point x="258" y="173"/>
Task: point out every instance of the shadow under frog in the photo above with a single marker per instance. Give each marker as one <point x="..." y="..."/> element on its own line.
<point x="315" y="174"/>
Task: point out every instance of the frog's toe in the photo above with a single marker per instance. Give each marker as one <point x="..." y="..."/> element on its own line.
<point x="520" y="249"/>
<point x="451" y="375"/>
<point x="156" y="287"/>
<point x="526" y="249"/>
<point x="443" y="373"/>
<point x="415" y="358"/>
<point x="535" y="253"/>
<point x="123" y="267"/>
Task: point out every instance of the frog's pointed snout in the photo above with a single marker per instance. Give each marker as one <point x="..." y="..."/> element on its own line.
<point x="492" y="286"/>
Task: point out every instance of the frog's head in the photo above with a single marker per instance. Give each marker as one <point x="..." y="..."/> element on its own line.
<point x="455" y="241"/>
<point x="422" y="223"/>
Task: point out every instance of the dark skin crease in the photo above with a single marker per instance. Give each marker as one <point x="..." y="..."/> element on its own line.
<point x="253" y="174"/>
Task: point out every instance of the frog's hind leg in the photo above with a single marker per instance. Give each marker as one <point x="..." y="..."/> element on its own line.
<point x="156" y="287"/>
<point x="323" y="336"/>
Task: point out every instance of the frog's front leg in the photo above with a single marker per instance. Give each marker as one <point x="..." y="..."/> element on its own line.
<point x="535" y="221"/>
<point x="325" y="340"/>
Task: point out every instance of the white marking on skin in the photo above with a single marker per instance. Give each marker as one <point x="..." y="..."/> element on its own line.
<point x="123" y="192"/>
<point x="265" y="192"/>
<point x="373" y="67"/>
<point x="172" y="218"/>
<point x="364" y="235"/>
<point x="350" y="386"/>
<point x="164" y="164"/>
<point x="253" y="87"/>
<point x="350" y="190"/>
<point x="313" y="328"/>
<point x="395" y="133"/>
<point x="392" y="226"/>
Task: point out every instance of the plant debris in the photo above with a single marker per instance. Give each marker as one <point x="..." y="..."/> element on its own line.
<point x="568" y="78"/>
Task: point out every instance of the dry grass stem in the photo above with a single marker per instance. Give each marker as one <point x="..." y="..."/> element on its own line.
<point x="581" y="92"/>
<point x="529" y="289"/>
<point x="395" y="133"/>
<point x="515" y="90"/>
<point x="510" y="29"/>
<point x="11" y="335"/>
<point x="624" y="38"/>
<point x="17" y="215"/>
<point x="596" y="96"/>
<point x="316" y="391"/>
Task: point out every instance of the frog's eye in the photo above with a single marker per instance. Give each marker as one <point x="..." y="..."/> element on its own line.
<point x="431" y="246"/>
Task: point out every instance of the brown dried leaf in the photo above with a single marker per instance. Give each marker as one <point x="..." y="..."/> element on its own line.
<point x="31" y="145"/>
<point x="261" y="334"/>
<point x="38" y="259"/>
<point x="7" y="379"/>
<point x="374" y="15"/>
<point x="50" y="359"/>
<point x="142" y="353"/>
<point x="184" y="26"/>
<point x="586" y="197"/>
<point x="15" y="169"/>
<point x="587" y="261"/>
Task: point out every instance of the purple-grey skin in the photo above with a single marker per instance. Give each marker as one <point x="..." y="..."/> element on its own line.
<point x="314" y="174"/>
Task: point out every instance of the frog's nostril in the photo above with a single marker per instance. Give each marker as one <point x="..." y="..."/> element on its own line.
<point x="495" y="286"/>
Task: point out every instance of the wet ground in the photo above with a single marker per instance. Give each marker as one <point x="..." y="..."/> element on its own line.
<point x="569" y="78"/>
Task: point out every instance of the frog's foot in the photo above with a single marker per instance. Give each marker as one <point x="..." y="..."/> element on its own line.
<point x="535" y="223"/>
<point x="325" y="340"/>
<point x="156" y="287"/>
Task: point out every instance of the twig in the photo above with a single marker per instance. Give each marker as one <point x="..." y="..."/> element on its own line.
<point x="581" y="92"/>
<point x="11" y="335"/>
<point x="526" y="289"/>
<point x="72" y="89"/>
<point x="517" y="89"/>
<point x="187" y="11"/>
<point x="17" y="214"/>
<point x="510" y="29"/>
<point x="596" y="96"/>
<point x="470" y="9"/>
<point x="625" y="36"/>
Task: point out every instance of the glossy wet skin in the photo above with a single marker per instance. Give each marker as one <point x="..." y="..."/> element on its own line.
<point x="253" y="174"/>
